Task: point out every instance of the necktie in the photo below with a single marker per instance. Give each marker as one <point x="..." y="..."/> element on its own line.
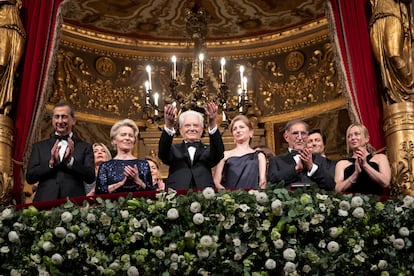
<point x="294" y="152"/>
<point x="61" y="137"/>
<point x="193" y="144"/>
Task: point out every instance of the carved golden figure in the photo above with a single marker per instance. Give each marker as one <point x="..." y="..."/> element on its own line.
<point x="12" y="38"/>
<point x="391" y="37"/>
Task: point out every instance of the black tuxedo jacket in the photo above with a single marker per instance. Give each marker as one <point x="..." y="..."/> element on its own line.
<point x="282" y="168"/>
<point x="184" y="175"/>
<point x="60" y="181"/>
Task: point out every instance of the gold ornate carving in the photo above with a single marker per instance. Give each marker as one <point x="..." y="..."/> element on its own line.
<point x="6" y="169"/>
<point x="12" y="39"/>
<point x="105" y="66"/>
<point x="294" y="61"/>
<point x="399" y="133"/>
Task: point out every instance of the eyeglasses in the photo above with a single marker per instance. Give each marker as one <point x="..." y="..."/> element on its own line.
<point x="302" y="133"/>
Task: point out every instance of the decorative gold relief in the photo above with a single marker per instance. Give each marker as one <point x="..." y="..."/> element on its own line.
<point x="6" y="169"/>
<point x="105" y="66"/>
<point x="294" y="61"/>
<point x="399" y="133"/>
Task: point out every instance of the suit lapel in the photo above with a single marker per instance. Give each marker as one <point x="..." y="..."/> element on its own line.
<point x="288" y="158"/>
<point x="199" y="152"/>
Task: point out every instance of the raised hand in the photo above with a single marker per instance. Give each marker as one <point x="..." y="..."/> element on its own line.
<point x="211" y="112"/>
<point x="170" y="114"/>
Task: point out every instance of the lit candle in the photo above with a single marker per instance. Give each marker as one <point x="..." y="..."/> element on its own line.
<point x="149" y="77"/>
<point x="146" y="92"/>
<point x="223" y="62"/>
<point x="241" y="76"/>
<point x="240" y="100"/>
<point x="174" y="70"/>
<point x="245" y="85"/>
<point x="224" y="113"/>
<point x="200" y="65"/>
<point x="156" y="96"/>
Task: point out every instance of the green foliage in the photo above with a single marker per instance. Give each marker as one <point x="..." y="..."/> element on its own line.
<point x="272" y="232"/>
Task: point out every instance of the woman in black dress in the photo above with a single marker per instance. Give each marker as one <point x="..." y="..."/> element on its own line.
<point x="241" y="167"/>
<point x="364" y="172"/>
<point x="125" y="172"/>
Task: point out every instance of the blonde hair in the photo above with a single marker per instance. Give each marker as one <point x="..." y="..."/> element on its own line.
<point x="121" y="123"/>
<point x="105" y="148"/>
<point x="365" y="132"/>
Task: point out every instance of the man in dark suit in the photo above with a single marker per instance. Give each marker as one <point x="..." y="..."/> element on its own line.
<point x="316" y="142"/>
<point x="63" y="163"/>
<point x="191" y="161"/>
<point x="298" y="166"/>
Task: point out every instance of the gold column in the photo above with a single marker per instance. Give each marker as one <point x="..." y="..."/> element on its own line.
<point x="6" y="168"/>
<point x="399" y="134"/>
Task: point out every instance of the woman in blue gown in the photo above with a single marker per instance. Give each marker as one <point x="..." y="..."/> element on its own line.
<point x="125" y="172"/>
<point x="241" y="167"/>
<point x="364" y="172"/>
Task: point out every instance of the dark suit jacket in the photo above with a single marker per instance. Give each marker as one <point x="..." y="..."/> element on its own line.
<point x="60" y="181"/>
<point x="181" y="172"/>
<point x="282" y="168"/>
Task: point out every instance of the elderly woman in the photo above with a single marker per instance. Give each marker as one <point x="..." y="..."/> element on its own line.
<point x="125" y="172"/>
<point x="364" y="172"/>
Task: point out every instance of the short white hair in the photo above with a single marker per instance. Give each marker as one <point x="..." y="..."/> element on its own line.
<point x="188" y="113"/>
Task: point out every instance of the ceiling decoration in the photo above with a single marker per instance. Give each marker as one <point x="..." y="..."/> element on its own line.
<point x="165" y="19"/>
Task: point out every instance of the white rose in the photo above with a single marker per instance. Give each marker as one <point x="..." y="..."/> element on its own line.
<point x="342" y="213"/>
<point x="344" y="205"/>
<point x="57" y="259"/>
<point x="7" y="213"/>
<point x="358" y="213"/>
<point x="172" y="214"/>
<point x="382" y="264"/>
<point x="15" y="272"/>
<point x="357" y="201"/>
<point x="18" y="226"/>
<point x="276" y="204"/>
<point x="173" y="266"/>
<point x="66" y="217"/>
<point x="47" y="246"/>
<point x="333" y="246"/>
<point x="160" y="254"/>
<point x="209" y="193"/>
<point x="306" y="269"/>
<point x="90" y="217"/>
<point x="4" y="249"/>
<point x="202" y="254"/>
<point x="174" y="257"/>
<point x="408" y="201"/>
<point x="13" y="237"/>
<point x="157" y="231"/>
<point x="70" y="238"/>
<point x="198" y="218"/>
<point x="132" y="271"/>
<point x="289" y="254"/>
<point x="398" y="243"/>
<point x="206" y="241"/>
<point x="195" y="207"/>
<point x="270" y="264"/>
<point x="124" y="214"/>
<point x="60" y="232"/>
<point x="262" y="198"/>
<point x="289" y="267"/>
<point x="278" y="243"/>
<point x="404" y="232"/>
<point x="172" y="246"/>
<point x="236" y="242"/>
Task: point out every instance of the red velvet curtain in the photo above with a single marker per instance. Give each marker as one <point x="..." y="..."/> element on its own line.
<point x="350" y="18"/>
<point x="38" y="19"/>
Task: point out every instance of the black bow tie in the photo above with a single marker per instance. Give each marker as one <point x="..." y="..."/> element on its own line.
<point x="193" y="144"/>
<point x="294" y="152"/>
<point x="61" y="137"/>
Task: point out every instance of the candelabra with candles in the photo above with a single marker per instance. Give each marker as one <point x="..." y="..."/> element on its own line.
<point x="196" y="28"/>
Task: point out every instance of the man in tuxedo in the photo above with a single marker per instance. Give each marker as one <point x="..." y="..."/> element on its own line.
<point x="298" y="166"/>
<point x="63" y="163"/>
<point x="191" y="161"/>
<point x="316" y="142"/>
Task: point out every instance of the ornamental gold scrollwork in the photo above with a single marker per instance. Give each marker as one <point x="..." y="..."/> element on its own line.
<point x="403" y="169"/>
